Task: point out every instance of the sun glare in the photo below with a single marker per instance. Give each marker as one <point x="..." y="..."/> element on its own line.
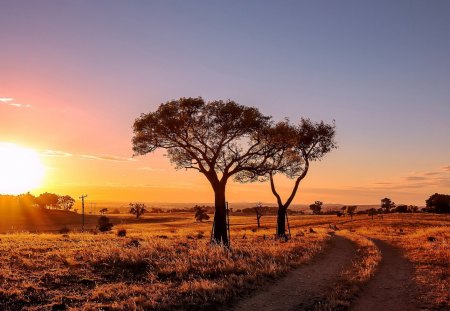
<point x="20" y="169"/>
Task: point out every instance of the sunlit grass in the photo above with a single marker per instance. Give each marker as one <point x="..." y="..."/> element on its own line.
<point x="165" y="261"/>
<point x="431" y="259"/>
<point x="429" y="250"/>
<point x="149" y="268"/>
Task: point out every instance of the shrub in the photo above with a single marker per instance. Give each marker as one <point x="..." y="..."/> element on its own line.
<point x="200" y="213"/>
<point x="137" y="209"/>
<point x="122" y="232"/>
<point x="64" y="230"/>
<point x="104" y="224"/>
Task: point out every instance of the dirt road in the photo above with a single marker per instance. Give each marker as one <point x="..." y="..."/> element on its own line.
<point x="305" y="285"/>
<point x="392" y="287"/>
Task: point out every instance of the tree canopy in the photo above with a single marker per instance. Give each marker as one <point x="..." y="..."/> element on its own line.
<point x="387" y="205"/>
<point x="138" y="209"/>
<point x="438" y="203"/>
<point x="220" y="139"/>
<point x="316" y="207"/>
<point x="207" y="137"/>
<point x="297" y="146"/>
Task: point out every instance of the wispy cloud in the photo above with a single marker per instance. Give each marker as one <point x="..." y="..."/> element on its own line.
<point x="106" y="158"/>
<point x="150" y="169"/>
<point x="432" y="173"/>
<point x="415" y="178"/>
<point x="56" y="153"/>
<point x="11" y="102"/>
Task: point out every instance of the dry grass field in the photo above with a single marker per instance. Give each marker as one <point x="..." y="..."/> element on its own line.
<point x="425" y="241"/>
<point x="154" y="267"/>
<point x="165" y="262"/>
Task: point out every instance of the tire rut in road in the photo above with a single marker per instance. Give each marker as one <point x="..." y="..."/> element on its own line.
<point x="305" y="285"/>
<point x="392" y="287"/>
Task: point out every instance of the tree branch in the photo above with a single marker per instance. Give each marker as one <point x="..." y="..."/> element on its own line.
<point x="274" y="191"/>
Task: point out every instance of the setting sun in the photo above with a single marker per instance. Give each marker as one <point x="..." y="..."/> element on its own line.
<point x="20" y="169"/>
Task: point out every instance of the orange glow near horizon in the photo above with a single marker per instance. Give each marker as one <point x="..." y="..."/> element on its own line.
<point x="20" y="169"/>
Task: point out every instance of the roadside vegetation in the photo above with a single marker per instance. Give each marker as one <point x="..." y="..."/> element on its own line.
<point x="429" y="250"/>
<point x="424" y="240"/>
<point x="149" y="268"/>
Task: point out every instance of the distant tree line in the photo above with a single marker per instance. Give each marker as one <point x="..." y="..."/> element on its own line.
<point x="45" y="200"/>
<point x="436" y="203"/>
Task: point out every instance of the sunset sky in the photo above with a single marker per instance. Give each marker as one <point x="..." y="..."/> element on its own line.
<point x="74" y="75"/>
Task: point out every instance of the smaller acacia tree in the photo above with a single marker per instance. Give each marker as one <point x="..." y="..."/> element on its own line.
<point x="316" y="207"/>
<point x="297" y="146"/>
<point x="259" y="211"/>
<point x="387" y="205"/>
<point x="351" y="209"/>
<point x="137" y="209"/>
<point x="372" y="212"/>
<point x="200" y="213"/>
<point x="103" y="211"/>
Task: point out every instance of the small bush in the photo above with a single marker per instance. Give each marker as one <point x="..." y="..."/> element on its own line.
<point x="122" y="232"/>
<point x="133" y="243"/>
<point x="64" y="230"/>
<point x="104" y="224"/>
<point x="200" y="213"/>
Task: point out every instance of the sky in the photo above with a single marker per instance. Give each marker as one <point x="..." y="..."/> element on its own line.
<point x="74" y="75"/>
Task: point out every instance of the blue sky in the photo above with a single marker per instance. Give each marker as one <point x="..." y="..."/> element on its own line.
<point x="381" y="69"/>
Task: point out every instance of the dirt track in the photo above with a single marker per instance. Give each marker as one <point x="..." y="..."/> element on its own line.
<point x="392" y="287"/>
<point x="305" y="285"/>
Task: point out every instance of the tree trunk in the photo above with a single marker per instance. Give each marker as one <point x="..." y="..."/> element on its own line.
<point x="257" y="219"/>
<point x="281" y="221"/>
<point x="220" y="216"/>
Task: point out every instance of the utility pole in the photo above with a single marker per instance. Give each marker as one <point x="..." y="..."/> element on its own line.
<point x="82" y="211"/>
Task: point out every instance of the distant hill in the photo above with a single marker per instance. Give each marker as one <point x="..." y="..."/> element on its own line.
<point x="15" y="218"/>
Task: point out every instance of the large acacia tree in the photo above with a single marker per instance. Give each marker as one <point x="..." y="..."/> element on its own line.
<point x="297" y="146"/>
<point x="218" y="139"/>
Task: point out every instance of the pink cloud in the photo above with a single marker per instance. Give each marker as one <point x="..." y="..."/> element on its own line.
<point x="107" y="158"/>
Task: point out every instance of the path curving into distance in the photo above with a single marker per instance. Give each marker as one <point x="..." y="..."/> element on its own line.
<point x="305" y="285"/>
<point x="392" y="287"/>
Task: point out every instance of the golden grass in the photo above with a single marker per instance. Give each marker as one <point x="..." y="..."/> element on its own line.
<point x="172" y="269"/>
<point x="166" y="262"/>
<point x="431" y="259"/>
